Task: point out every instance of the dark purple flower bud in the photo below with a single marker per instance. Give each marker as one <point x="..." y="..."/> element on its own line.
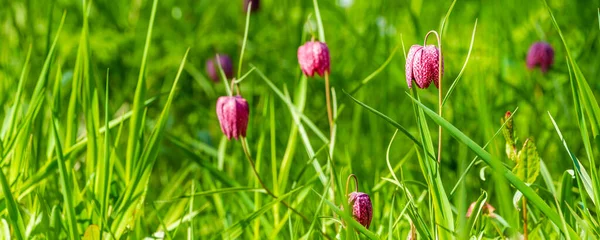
<point x="233" y="112"/>
<point x="313" y="57"/>
<point x="362" y="209"/>
<point x="212" y="69"/>
<point x="422" y="65"/>
<point x="542" y="54"/>
<point x="254" y="7"/>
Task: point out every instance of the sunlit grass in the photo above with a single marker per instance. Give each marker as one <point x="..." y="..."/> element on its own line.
<point x="110" y="130"/>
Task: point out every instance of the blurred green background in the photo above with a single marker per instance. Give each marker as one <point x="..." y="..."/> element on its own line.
<point x="361" y="35"/>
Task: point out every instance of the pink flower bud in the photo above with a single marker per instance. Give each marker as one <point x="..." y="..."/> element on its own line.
<point x="487" y="210"/>
<point x="212" y="69"/>
<point x="542" y="54"/>
<point x="254" y="7"/>
<point x="422" y="65"/>
<point x="362" y="209"/>
<point x="233" y="116"/>
<point x="313" y="57"/>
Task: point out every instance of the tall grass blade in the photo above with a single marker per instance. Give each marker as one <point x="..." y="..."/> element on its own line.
<point x="13" y="209"/>
<point x="65" y="182"/>
<point x="135" y="125"/>
<point x="496" y="165"/>
<point x="584" y="97"/>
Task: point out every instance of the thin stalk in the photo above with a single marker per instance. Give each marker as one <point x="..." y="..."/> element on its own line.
<point x="247" y="153"/>
<point x="328" y="100"/>
<point x="245" y="39"/>
<point x="249" y="157"/>
<point x="525" y="235"/>
<point x="440" y="92"/>
<point x="224" y="77"/>
<point x="352" y="176"/>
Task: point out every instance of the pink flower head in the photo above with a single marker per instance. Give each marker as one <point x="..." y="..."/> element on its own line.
<point x="313" y="57"/>
<point x="422" y="65"/>
<point x="233" y="112"/>
<point x="487" y="210"/>
<point x="254" y="7"/>
<point x="542" y="54"/>
<point x="362" y="209"/>
<point x="212" y="69"/>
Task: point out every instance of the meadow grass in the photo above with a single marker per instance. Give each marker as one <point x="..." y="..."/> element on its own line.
<point x="110" y="129"/>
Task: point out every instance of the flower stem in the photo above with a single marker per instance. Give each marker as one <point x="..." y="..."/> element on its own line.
<point x="223" y="76"/>
<point x="247" y="153"/>
<point x="249" y="157"/>
<point x="352" y="176"/>
<point x="440" y="92"/>
<point x="328" y="100"/>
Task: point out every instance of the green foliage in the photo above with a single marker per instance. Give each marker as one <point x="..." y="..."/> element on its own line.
<point x="527" y="166"/>
<point x="109" y="129"/>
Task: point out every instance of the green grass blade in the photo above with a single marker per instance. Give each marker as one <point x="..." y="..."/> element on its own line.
<point x="471" y="164"/>
<point x="65" y="182"/>
<point x="376" y="72"/>
<point x="475" y="214"/>
<point x="139" y="181"/>
<point x="579" y="169"/>
<point x="579" y="110"/>
<point x="391" y="219"/>
<point x="589" y="105"/>
<point x="496" y="165"/>
<point x="215" y="192"/>
<point x="316" y="217"/>
<point x="239" y="72"/>
<point x="135" y="125"/>
<point x="462" y="70"/>
<point x="104" y="172"/>
<point x="13" y="209"/>
<point x="442" y="217"/>
<point x="17" y="103"/>
<point x="295" y="115"/>
<point x="319" y="21"/>
<point x="235" y="230"/>
<point x="392" y="122"/>
<point x="443" y="25"/>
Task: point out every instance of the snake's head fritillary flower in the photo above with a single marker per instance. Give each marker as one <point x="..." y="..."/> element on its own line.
<point x="362" y="209"/>
<point x="233" y="112"/>
<point x="313" y="57"/>
<point x="212" y="69"/>
<point x="422" y="65"/>
<point x="254" y="7"/>
<point x="487" y="210"/>
<point x="540" y="54"/>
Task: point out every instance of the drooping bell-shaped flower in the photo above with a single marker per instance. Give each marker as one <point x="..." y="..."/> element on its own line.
<point x="313" y="57"/>
<point x="254" y="7"/>
<point x="422" y="65"/>
<point x="212" y="69"/>
<point x="233" y="112"/>
<point x="540" y="54"/>
<point x="362" y="209"/>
